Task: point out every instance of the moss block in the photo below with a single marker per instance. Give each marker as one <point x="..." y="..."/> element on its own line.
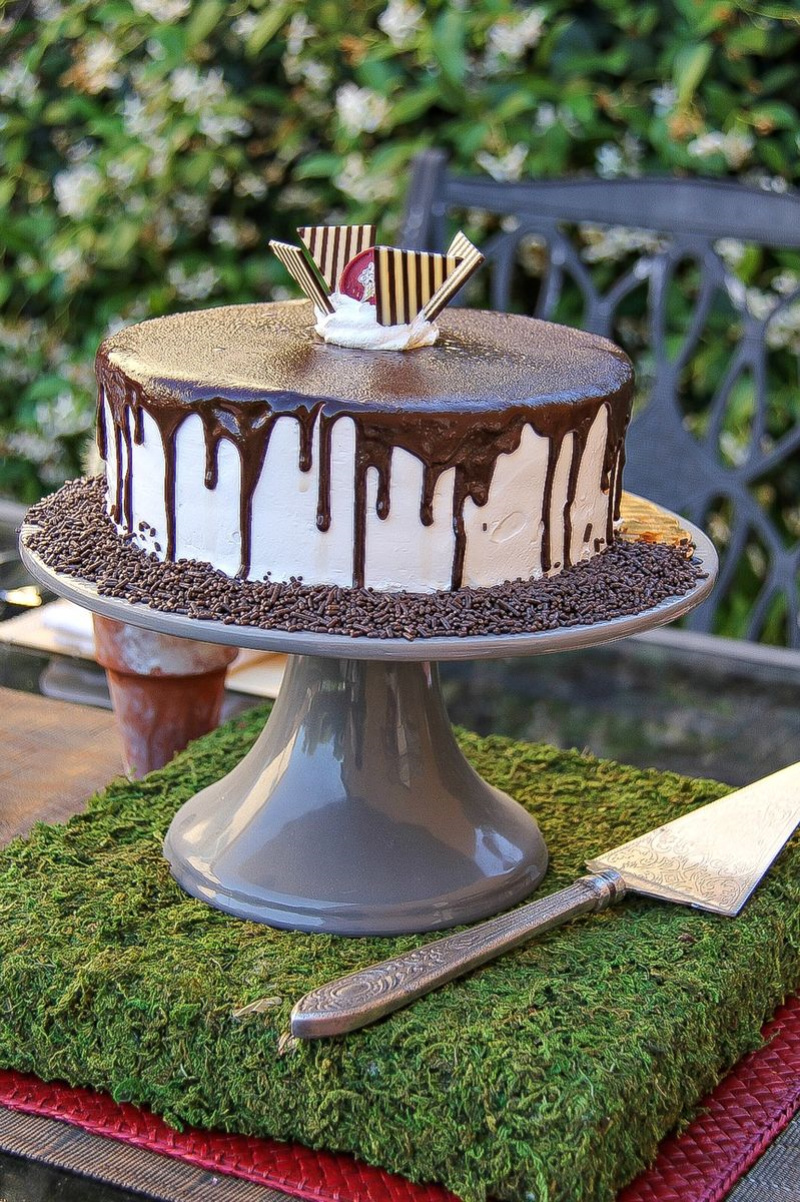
<point x="552" y="1073"/>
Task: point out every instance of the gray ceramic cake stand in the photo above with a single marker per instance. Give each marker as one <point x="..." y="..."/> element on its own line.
<point x="355" y="812"/>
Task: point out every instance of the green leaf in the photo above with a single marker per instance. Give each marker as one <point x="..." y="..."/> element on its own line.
<point x="704" y="16"/>
<point x="513" y="104"/>
<point x="317" y="166"/>
<point x="448" y="45"/>
<point x="773" y="157"/>
<point x="271" y="21"/>
<point x="690" y="66"/>
<point x="203" y="20"/>
<point x="378" y="74"/>
<point x="412" y="105"/>
<point x="780" y="116"/>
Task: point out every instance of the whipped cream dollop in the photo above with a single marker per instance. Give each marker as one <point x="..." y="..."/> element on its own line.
<point x="354" y="323"/>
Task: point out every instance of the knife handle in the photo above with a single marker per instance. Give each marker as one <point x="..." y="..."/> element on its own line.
<point x="362" y="997"/>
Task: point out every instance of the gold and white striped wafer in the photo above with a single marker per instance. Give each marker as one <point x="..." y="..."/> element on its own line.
<point x="405" y="280"/>
<point x="461" y="246"/>
<point x="333" y="246"/>
<point x="294" y="261"/>
<point x="470" y="259"/>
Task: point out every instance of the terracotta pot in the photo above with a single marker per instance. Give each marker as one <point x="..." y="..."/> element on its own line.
<point x="165" y="691"/>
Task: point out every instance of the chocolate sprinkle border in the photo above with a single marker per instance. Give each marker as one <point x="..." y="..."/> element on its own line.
<point x="74" y="536"/>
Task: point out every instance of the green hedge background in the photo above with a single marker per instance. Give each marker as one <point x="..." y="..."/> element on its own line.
<point x="151" y="147"/>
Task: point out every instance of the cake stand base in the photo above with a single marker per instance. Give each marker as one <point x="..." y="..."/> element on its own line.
<point x="356" y="813"/>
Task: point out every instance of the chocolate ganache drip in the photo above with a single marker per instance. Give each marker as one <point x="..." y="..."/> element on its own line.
<point x="457" y="405"/>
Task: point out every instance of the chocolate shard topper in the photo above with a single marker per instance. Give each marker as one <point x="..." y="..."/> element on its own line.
<point x="402" y="284"/>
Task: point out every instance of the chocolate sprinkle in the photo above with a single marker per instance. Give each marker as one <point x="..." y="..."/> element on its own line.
<point x="74" y="536"/>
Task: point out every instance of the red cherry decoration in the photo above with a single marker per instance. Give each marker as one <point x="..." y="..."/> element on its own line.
<point x="358" y="278"/>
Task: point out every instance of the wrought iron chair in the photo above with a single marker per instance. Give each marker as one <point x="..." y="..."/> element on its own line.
<point x="743" y="486"/>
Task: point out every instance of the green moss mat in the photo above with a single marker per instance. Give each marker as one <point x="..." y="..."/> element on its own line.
<point x="550" y="1074"/>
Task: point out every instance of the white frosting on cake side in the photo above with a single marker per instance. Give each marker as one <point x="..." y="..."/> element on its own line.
<point x="503" y="537"/>
<point x="355" y="324"/>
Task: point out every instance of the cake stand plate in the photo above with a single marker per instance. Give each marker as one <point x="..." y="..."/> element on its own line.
<point x="355" y="812"/>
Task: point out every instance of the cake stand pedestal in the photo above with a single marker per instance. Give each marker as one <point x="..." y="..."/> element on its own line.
<point x="355" y="812"/>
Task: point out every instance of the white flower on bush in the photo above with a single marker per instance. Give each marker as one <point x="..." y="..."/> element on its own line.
<point x="79" y="152"/>
<point x="299" y="32"/>
<point x="138" y="123"/>
<point x="48" y="10"/>
<point x="166" y="228"/>
<point x="156" y="166"/>
<point x="400" y="21"/>
<point x="64" y="416"/>
<point x="783" y="331"/>
<point x="786" y="282"/>
<point x="100" y="59"/>
<point x="295" y="196"/>
<point x="735" y="146"/>
<point x="608" y="244"/>
<point x="219" y="127"/>
<point x="65" y="259"/>
<point x="18" y="335"/>
<point x="360" y="110"/>
<point x="121" y="172"/>
<point x="546" y="117"/>
<point x="504" y="166"/>
<point x="509" y="39"/>
<point x="354" y="180"/>
<point x="70" y="263"/>
<point x="77" y="189"/>
<point x="609" y="161"/>
<point x="191" y="208"/>
<point x="223" y="232"/>
<point x="197" y="91"/>
<point x="613" y="161"/>
<point x="664" y="99"/>
<point x="731" y="251"/>
<point x="760" y="303"/>
<point x="317" y="75"/>
<point x="767" y="183"/>
<point x="165" y="11"/>
<point x="197" y="286"/>
<point x="13" y="369"/>
<point x="218" y="178"/>
<point x="755" y="301"/>
<point x="18" y="83"/>
<point x="250" y="185"/>
<point x="244" y="25"/>
<point x="31" y="446"/>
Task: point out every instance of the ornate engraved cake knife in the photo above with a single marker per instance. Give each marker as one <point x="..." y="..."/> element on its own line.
<point x="711" y="859"/>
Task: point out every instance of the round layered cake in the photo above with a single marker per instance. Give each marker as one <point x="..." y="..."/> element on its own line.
<point x="237" y="437"/>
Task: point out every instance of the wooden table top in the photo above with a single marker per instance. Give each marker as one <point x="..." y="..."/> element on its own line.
<point x="53" y="756"/>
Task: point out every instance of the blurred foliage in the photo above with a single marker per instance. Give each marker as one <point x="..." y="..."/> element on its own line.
<point x="151" y="147"/>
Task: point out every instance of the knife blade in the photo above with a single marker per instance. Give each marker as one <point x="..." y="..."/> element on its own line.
<point x="711" y="859"/>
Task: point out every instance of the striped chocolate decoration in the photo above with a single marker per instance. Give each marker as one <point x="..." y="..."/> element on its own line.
<point x="405" y="280"/>
<point x="295" y="263"/>
<point x="333" y="246"/>
<point x="461" y="246"/>
<point x="469" y="260"/>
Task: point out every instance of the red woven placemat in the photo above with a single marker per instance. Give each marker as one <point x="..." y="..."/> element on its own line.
<point x="738" y="1120"/>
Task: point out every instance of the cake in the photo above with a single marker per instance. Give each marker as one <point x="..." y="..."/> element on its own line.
<point x="239" y="438"/>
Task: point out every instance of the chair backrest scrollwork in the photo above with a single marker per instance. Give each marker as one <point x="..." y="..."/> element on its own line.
<point x="712" y="436"/>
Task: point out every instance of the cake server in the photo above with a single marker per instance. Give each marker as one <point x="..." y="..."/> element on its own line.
<point x="712" y="859"/>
